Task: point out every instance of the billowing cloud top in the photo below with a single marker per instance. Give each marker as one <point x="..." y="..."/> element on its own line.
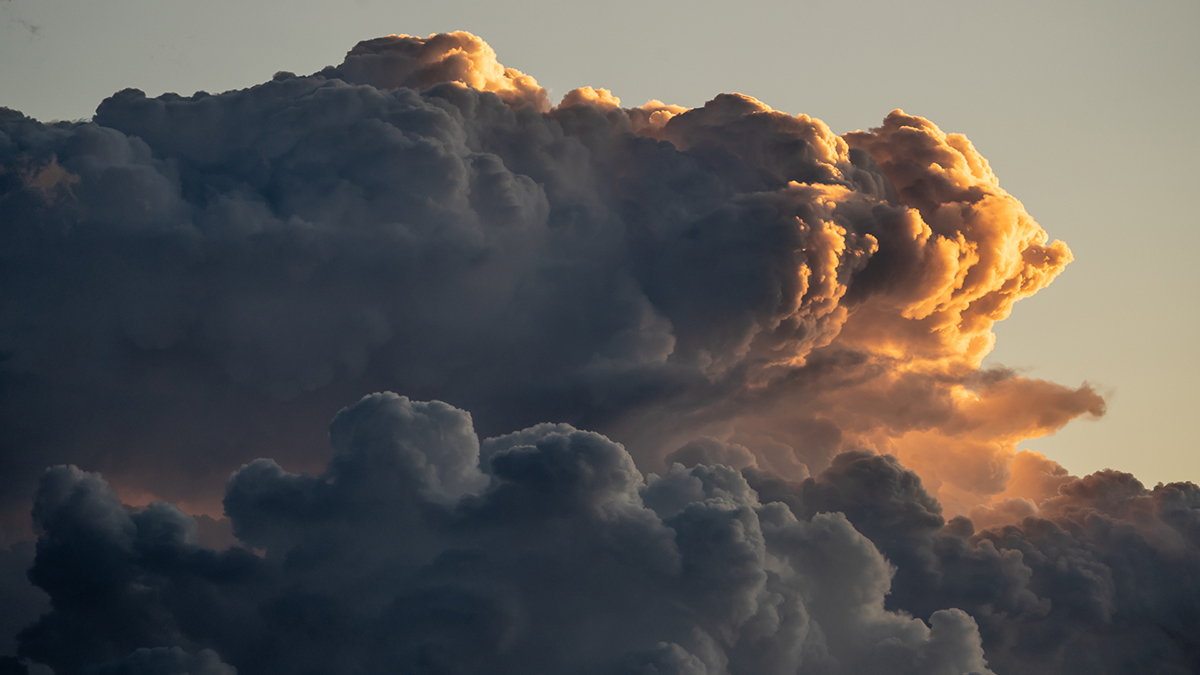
<point x="404" y="61"/>
<point x="192" y="283"/>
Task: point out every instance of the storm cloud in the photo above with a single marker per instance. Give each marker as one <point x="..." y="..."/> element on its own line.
<point x="558" y="557"/>
<point x="421" y="549"/>
<point x="773" y="335"/>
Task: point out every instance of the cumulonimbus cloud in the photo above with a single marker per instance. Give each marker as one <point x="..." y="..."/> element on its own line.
<point x="196" y="282"/>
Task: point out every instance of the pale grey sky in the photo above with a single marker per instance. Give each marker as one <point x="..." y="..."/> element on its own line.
<point x="1085" y="110"/>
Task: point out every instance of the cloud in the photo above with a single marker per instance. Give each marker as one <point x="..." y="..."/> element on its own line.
<point x="1099" y="579"/>
<point x="164" y="661"/>
<point x="195" y="283"/>
<point x="31" y="29"/>
<point x="420" y="218"/>
<point x="405" y="61"/>
<point x="562" y="557"/>
<point x="22" y="602"/>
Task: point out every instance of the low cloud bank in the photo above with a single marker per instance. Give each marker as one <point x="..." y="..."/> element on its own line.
<point x="420" y="549"/>
<point x="410" y="554"/>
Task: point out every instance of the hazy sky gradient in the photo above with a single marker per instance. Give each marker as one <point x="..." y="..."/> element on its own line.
<point x="1084" y="110"/>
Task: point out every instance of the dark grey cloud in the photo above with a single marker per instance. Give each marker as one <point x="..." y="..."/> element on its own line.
<point x="165" y="661"/>
<point x="409" y="554"/>
<point x="22" y="602"/>
<point x="1104" y="580"/>
<point x="420" y="549"/>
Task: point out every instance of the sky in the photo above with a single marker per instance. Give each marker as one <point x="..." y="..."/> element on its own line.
<point x="612" y="339"/>
<point x="1084" y="111"/>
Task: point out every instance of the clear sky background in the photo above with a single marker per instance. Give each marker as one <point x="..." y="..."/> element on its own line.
<point x="1087" y="112"/>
